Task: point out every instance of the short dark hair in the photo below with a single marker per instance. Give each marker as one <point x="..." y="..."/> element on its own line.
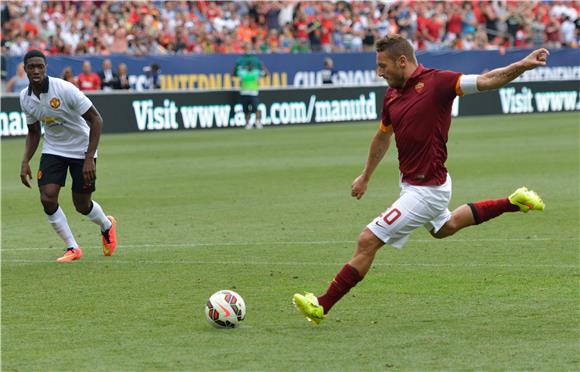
<point x="33" y="53"/>
<point x="396" y="45"/>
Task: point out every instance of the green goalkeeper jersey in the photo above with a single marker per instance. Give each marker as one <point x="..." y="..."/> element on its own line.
<point x="249" y="81"/>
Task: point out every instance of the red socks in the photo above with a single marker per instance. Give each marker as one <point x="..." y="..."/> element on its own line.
<point x="487" y="209"/>
<point x="346" y="278"/>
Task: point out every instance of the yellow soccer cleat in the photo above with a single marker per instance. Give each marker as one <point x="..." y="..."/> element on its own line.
<point x="309" y="307"/>
<point x="526" y="200"/>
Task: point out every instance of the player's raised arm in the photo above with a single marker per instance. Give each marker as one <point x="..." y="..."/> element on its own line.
<point x="379" y="146"/>
<point x="499" y="77"/>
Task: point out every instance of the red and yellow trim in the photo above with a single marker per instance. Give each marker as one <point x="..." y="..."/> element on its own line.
<point x="458" y="90"/>
<point x="385" y="128"/>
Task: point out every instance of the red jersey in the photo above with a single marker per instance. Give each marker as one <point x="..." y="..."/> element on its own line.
<point x="420" y="114"/>
<point x="90" y="81"/>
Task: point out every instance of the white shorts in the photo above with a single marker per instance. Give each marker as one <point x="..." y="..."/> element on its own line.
<point x="417" y="206"/>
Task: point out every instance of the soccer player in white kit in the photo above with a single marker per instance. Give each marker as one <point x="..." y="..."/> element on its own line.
<point x="72" y="130"/>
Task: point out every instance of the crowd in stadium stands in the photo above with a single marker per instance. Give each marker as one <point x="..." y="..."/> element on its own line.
<point x="165" y="27"/>
<point x="157" y="27"/>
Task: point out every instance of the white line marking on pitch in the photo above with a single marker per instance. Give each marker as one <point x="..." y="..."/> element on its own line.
<point x="320" y="242"/>
<point x="283" y="263"/>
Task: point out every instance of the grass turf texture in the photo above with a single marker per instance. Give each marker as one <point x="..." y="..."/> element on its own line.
<point x="268" y="213"/>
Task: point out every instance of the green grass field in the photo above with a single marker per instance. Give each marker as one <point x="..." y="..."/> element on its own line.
<point x="268" y="213"/>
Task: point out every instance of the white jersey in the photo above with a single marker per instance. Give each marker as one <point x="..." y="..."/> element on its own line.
<point x="59" y="110"/>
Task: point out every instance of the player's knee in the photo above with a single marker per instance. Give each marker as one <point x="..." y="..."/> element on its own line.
<point x="49" y="203"/>
<point x="83" y="208"/>
<point x="368" y="243"/>
<point x="82" y="205"/>
<point x="450" y="228"/>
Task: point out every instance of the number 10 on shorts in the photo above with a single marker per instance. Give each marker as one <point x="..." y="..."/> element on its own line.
<point x="392" y="216"/>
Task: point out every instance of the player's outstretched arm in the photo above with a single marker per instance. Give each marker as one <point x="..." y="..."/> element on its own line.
<point x="379" y="146"/>
<point x="499" y="77"/>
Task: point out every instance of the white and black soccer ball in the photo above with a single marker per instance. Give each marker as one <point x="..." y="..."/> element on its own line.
<point x="225" y="309"/>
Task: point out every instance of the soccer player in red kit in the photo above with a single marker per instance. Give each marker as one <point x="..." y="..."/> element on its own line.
<point x="417" y="110"/>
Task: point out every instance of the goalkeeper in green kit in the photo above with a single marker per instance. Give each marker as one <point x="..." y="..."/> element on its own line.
<point x="250" y="75"/>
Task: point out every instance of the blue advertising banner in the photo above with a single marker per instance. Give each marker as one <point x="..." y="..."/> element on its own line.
<point x="187" y="72"/>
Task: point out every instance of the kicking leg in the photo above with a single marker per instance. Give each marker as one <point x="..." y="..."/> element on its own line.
<point x="466" y="215"/>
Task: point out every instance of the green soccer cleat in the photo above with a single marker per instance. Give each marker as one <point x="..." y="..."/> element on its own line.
<point x="527" y="200"/>
<point x="308" y="305"/>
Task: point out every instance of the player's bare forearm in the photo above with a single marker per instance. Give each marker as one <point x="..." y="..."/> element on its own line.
<point x="95" y="121"/>
<point x="499" y="77"/>
<point x="32" y="141"/>
<point x="379" y="146"/>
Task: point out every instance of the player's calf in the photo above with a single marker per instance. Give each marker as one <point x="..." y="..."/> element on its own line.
<point x="460" y="218"/>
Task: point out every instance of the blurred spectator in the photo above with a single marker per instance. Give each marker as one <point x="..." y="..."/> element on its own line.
<point x="152" y="73"/>
<point x="538" y="30"/>
<point x="369" y="40"/>
<point x="3" y="72"/>
<point x="328" y="73"/>
<point x="18" y="81"/>
<point x="406" y="21"/>
<point x="468" y="43"/>
<point x="67" y="75"/>
<point x="88" y="80"/>
<point x="107" y="75"/>
<point x="121" y="80"/>
<point x="490" y="20"/>
<point x="469" y="20"/>
<point x="315" y="35"/>
<point x="287" y="40"/>
<point x="19" y="46"/>
<point x="553" y="32"/>
<point x="481" y="41"/>
<point x="568" y="33"/>
<point x="120" y="42"/>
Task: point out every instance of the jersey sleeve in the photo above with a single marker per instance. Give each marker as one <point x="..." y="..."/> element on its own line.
<point x="449" y="83"/>
<point x="77" y="101"/>
<point x="385" y="117"/>
<point x="30" y="119"/>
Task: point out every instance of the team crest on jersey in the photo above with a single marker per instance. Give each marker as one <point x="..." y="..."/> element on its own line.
<point x="419" y="87"/>
<point x="54" y="103"/>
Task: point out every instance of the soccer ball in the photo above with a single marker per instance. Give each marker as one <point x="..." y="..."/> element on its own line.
<point x="225" y="309"/>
